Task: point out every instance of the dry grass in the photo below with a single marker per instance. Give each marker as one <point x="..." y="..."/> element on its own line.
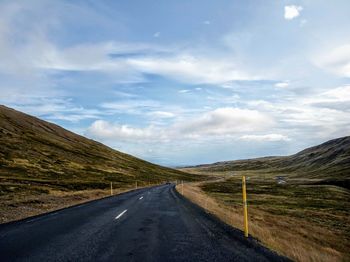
<point x="295" y="238"/>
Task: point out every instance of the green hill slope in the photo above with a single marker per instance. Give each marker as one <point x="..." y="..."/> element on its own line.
<point x="39" y="152"/>
<point x="329" y="161"/>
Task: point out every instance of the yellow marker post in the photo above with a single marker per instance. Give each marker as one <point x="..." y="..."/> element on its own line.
<point x="111" y="189"/>
<point x="245" y="207"/>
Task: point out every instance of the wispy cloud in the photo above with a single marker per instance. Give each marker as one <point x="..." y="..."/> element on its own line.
<point x="56" y="109"/>
<point x="134" y="106"/>
<point x="336" y="60"/>
<point x="264" y="138"/>
<point x="336" y="98"/>
<point x="191" y="69"/>
<point x="230" y="78"/>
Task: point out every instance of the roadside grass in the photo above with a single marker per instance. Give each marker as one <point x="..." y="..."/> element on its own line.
<point x="30" y="189"/>
<point x="20" y="199"/>
<point x="300" y="219"/>
<point x="26" y="185"/>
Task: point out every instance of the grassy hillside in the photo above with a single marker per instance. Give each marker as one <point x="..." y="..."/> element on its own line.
<point x="37" y="157"/>
<point x="306" y="217"/>
<point x="329" y="162"/>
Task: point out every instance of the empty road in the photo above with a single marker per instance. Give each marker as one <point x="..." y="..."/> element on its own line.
<point x="151" y="224"/>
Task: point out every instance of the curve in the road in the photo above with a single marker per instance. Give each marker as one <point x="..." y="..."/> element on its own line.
<point x="151" y="224"/>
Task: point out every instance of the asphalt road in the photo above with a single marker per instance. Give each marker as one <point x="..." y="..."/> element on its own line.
<point x="152" y="224"/>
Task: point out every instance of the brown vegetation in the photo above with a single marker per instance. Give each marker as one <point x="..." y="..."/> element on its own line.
<point x="299" y="205"/>
<point x="293" y="236"/>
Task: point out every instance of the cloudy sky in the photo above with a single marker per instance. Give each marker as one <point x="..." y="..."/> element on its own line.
<point x="182" y="82"/>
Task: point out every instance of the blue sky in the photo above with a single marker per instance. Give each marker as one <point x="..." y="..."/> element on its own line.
<point x="182" y="82"/>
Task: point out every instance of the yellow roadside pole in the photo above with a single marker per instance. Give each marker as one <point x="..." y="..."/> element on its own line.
<point x="111" y="189"/>
<point x="245" y="207"/>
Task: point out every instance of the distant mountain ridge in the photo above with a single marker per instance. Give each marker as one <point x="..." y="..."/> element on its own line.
<point x="38" y="151"/>
<point x="329" y="159"/>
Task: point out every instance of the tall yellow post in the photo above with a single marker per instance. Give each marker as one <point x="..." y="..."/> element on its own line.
<point x="245" y="207"/>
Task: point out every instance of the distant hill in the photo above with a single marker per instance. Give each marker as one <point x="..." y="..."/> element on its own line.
<point x="36" y="151"/>
<point x="328" y="161"/>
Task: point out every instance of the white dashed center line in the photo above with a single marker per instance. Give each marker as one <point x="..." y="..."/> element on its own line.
<point x="140" y="198"/>
<point x="122" y="213"/>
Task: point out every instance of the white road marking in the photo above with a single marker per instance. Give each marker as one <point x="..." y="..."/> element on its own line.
<point x="140" y="198"/>
<point x="122" y="213"/>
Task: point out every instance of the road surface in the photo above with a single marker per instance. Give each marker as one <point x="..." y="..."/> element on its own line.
<point x="150" y="224"/>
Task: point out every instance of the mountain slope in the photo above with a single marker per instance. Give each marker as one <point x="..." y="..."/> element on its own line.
<point x="41" y="152"/>
<point x="304" y="215"/>
<point x="330" y="160"/>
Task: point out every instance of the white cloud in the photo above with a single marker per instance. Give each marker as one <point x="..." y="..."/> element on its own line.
<point x="336" y="98"/>
<point x="191" y="69"/>
<point x="52" y="108"/>
<point x="131" y="106"/>
<point x="265" y="138"/>
<point x="39" y="49"/>
<point x="282" y="84"/>
<point x="336" y="60"/>
<point x="37" y="53"/>
<point x="292" y="11"/>
<point x="43" y="56"/>
<point x="71" y="117"/>
<point x="104" y="130"/>
<point x="188" y="68"/>
<point x="225" y="121"/>
<point x="216" y="123"/>
<point x="313" y="116"/>
<point x="338" y="94"/>
<point x="162" y="114"/>
<point x="183" y="91"/>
